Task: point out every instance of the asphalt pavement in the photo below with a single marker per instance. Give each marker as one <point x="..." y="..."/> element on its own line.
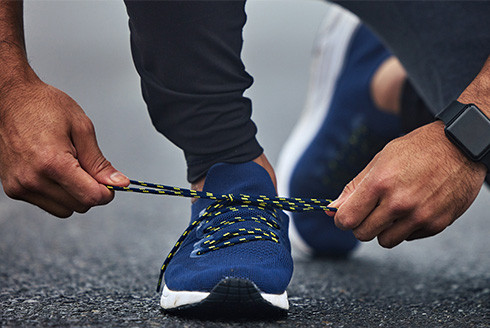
<point x="100" y="269"/>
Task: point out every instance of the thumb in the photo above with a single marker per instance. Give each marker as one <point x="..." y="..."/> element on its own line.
<point x="350" y="188"/>
<point x="92" y="160"/>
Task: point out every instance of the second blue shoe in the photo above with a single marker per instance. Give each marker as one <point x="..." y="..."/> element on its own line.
<point x="339" y="133"/>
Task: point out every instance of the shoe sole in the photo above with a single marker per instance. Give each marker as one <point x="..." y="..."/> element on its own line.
<point x="230" y="298"/>
<point x="328" y="60"/>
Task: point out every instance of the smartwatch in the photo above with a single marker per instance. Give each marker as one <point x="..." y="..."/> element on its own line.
<point x="469" y="129"/>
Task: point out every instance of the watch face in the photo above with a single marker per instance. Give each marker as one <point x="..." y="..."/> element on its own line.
<point x="471" y="131"/>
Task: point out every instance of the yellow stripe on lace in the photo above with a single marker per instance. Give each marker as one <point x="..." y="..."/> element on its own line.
<point x="282" y="203"/>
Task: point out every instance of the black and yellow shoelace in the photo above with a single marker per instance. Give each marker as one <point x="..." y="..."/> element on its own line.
<point x="225" y="203"/>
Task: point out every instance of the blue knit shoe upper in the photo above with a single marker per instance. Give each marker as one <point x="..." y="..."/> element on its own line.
<point x="234" y="240"/>
<point x="353" y="131"/>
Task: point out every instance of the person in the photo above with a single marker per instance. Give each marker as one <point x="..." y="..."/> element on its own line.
<point x="193" y="79"/>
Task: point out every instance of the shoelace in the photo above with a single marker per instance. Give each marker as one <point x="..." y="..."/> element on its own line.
<point x="225" y="203"/>
<point x="239" y="235"/>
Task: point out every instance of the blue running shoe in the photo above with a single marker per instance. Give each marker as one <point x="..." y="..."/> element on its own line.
<point x="236" y="262"/>
<point x="339" y="133"/>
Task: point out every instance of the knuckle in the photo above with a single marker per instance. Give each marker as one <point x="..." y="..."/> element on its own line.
<point x="30" y="184"/>
<point x="400" y="206"/>
<point x="14" y="190"/>
<point x="106" y="199"/>
<point x="49" y="163"/>
<point x="85" y="126"/>
<point x="435" y="228"/>
<point x="386" y="242"/>
<point x="423" y="219"/>
<point x="82" y="209"/>
<point x="343" y="222"/>
<point x="363" y="236"/>
<point x="382" y="183"/>
<point x="88" y="200"/>
<point x="94" y="197"/>
<point x="101" y="164"/>
<point x="54" y="163"/>
<point x="349" y="188"/>
<point x="63" y="214"/>
<point x="19" y="187"/>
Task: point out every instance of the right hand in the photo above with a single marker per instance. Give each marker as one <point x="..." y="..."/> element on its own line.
<point x="49" y="154"/>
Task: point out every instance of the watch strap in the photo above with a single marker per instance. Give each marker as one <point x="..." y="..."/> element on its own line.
<point x="450" y="113"/>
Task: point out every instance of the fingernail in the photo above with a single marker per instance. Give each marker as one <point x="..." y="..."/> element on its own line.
<point x="117" y="177"/>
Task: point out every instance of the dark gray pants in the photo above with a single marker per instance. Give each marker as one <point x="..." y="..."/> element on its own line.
<point x="442" y="44"/>
<point x="188" y="55"/>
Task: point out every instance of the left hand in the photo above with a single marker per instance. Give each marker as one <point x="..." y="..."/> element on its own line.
<point x="414" y="188"/>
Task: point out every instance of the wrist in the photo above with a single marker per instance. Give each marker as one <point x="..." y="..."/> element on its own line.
<point x="15" y="94"/>
<point x="16" y="82"/>
<point x="453" y="150"/>
<point x="17" y="77"/>
<point x="455" y="153"/>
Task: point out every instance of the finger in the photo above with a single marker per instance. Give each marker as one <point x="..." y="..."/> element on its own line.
<point x="356" y="209"/>
<point x="84" y="189"/>
<point x="351" y="186"/>
<point x="69" y="175"/>
<point x="91" y="158"/>
<point x="419" y="234"/>
<point x="380" y="219"/>
<point x="436" y="226"/>
<point x="49" y="196"/>
<point x="48" y="204"/>
<point x="395" y="234"/>
<point x="360" y="201"/>
<point x="59" y="195"/>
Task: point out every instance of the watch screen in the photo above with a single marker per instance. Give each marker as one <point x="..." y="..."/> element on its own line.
<point x="472" y="131"/>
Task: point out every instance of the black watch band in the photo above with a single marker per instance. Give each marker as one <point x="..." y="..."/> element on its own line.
<point x="469" y="129"/>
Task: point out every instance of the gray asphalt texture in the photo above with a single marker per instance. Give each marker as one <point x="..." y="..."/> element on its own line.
<point x="100" y="269"/>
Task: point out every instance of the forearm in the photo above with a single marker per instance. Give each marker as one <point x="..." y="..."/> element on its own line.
<point x="14" y="68"/>
<point x="478" y="91"/>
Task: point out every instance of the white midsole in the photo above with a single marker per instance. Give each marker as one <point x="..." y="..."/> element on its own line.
<point x="173" y="299"/>
<point x="328" y="57"/>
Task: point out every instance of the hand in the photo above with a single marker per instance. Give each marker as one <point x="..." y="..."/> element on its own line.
<point x="414" y="188"/>
<point x="48" y="152"/>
